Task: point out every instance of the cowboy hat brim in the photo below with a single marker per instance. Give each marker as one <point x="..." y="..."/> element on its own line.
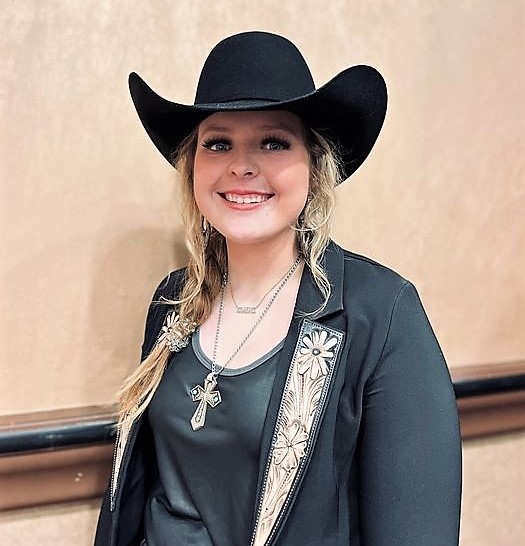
<point x="349" y="110"/>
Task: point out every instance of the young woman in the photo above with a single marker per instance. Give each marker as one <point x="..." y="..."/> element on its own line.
<point x="290" y="393"/>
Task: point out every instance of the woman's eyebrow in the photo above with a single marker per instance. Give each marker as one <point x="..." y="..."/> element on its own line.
<point x="217" y="129"/>
<point x="280" y="127"/>
<point x="270" y="127"/>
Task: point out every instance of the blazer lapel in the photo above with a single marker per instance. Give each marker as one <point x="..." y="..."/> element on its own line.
<point x="305" y="371"/>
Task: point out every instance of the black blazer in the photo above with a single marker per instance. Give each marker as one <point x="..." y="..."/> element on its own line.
<point x="361" y="444"/>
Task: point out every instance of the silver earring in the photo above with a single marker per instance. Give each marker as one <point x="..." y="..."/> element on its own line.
<point x="304" y="233"/>
<point x="206" y="228"/>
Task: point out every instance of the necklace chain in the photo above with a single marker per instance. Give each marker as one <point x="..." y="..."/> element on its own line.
<point x="280" y="286"/>
<point x="250" y="309"/>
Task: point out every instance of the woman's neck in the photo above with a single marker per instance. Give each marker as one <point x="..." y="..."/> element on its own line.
<point x="253" y="269"/>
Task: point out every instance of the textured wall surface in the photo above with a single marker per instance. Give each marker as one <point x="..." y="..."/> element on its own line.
<point x="57" y="525"/>
<point x="88" y="218"/>
<point x="88" y="213"/>
<point x="494" y="491"/>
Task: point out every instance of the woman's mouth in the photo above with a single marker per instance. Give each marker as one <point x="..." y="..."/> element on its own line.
<point x="246" y="199"/>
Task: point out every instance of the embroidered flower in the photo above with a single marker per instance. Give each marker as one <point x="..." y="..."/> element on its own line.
<point x="315" y="350"/>
<point x="175" y="333"/>
<point x="290" y="445"/>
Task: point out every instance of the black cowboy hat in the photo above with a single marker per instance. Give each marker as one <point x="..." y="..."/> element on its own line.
<point x="264" y="71"/>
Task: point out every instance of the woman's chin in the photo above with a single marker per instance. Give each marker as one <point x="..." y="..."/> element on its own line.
<point x="257" y="237"/>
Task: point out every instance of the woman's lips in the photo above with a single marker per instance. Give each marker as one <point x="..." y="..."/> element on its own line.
<point x="246" y="198"/>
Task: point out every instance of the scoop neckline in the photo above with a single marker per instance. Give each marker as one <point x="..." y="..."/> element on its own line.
<point x="206" y="362"/>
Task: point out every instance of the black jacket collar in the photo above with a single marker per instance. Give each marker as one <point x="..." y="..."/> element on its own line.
<point x="310" y="297"/>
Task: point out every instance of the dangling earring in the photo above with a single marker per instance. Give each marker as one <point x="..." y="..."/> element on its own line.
<point x="299" y="223"/>
<point x="301" y="220"/>
<point x="206" y="228"/>
<point x="304" y="231"/>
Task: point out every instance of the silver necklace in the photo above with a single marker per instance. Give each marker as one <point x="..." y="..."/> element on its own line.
<point x="251" y="309"/>
<point x="206" y="394"/>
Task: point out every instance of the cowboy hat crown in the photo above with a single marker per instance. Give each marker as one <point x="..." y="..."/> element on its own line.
<point x="254" y="66"/>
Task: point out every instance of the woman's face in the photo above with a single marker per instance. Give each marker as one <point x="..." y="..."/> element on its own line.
<point x="251" y="174"/>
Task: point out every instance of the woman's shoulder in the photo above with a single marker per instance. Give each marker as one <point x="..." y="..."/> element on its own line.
<point x="364" y="272"/>
<point x="374" y="290"/>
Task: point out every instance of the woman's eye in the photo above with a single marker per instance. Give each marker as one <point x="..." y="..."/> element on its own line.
<point x="217" y="145"/>
<point x="274" y="144"/>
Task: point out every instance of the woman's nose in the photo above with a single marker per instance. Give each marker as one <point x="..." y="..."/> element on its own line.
<point x="244" y="165"/>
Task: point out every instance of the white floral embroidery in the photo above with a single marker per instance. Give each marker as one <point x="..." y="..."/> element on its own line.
<point x="315" y="350"/>
<point x="176" y="333"/>
<point x="305" y="394"/>
<point x="290" y="445"/>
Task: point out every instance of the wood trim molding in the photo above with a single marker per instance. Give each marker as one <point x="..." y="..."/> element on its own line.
<point x="54" y="476"/>
<point x="501" y="409"/>
<point x="56" y="429"/>
<point x="65" y="463"/>
<point x="494" y="414"/>
<point x="485" y="371"/>
<point x="73" y="455"/>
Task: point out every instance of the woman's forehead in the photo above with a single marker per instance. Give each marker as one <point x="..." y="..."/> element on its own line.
<point x="260" y="120"/>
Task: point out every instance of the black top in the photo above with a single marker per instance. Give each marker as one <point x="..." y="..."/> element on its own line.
<point x="205" y="492"/>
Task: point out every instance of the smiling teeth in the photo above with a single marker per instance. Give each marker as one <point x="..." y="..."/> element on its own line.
<point x="245" y="199"/>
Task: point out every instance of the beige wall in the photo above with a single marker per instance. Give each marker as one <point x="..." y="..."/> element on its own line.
<point x="57" y="525"/>
<point x="88" y="222"/>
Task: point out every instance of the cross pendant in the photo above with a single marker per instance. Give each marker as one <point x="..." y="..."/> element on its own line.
<point x="205" y="396"/>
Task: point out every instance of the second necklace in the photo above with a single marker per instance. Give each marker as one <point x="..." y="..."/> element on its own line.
<point x="206" y="394"/>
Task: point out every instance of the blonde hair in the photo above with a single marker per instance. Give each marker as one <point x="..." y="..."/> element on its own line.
<point x="208" y="258"/>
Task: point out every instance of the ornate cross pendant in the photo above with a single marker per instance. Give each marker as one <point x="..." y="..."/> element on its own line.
<point x="205" y="396"/>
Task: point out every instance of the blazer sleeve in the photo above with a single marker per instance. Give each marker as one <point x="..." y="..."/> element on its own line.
<point x="410" y="448"/>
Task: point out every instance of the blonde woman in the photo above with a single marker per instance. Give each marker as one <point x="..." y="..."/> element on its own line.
<point x="290" y="393"/>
